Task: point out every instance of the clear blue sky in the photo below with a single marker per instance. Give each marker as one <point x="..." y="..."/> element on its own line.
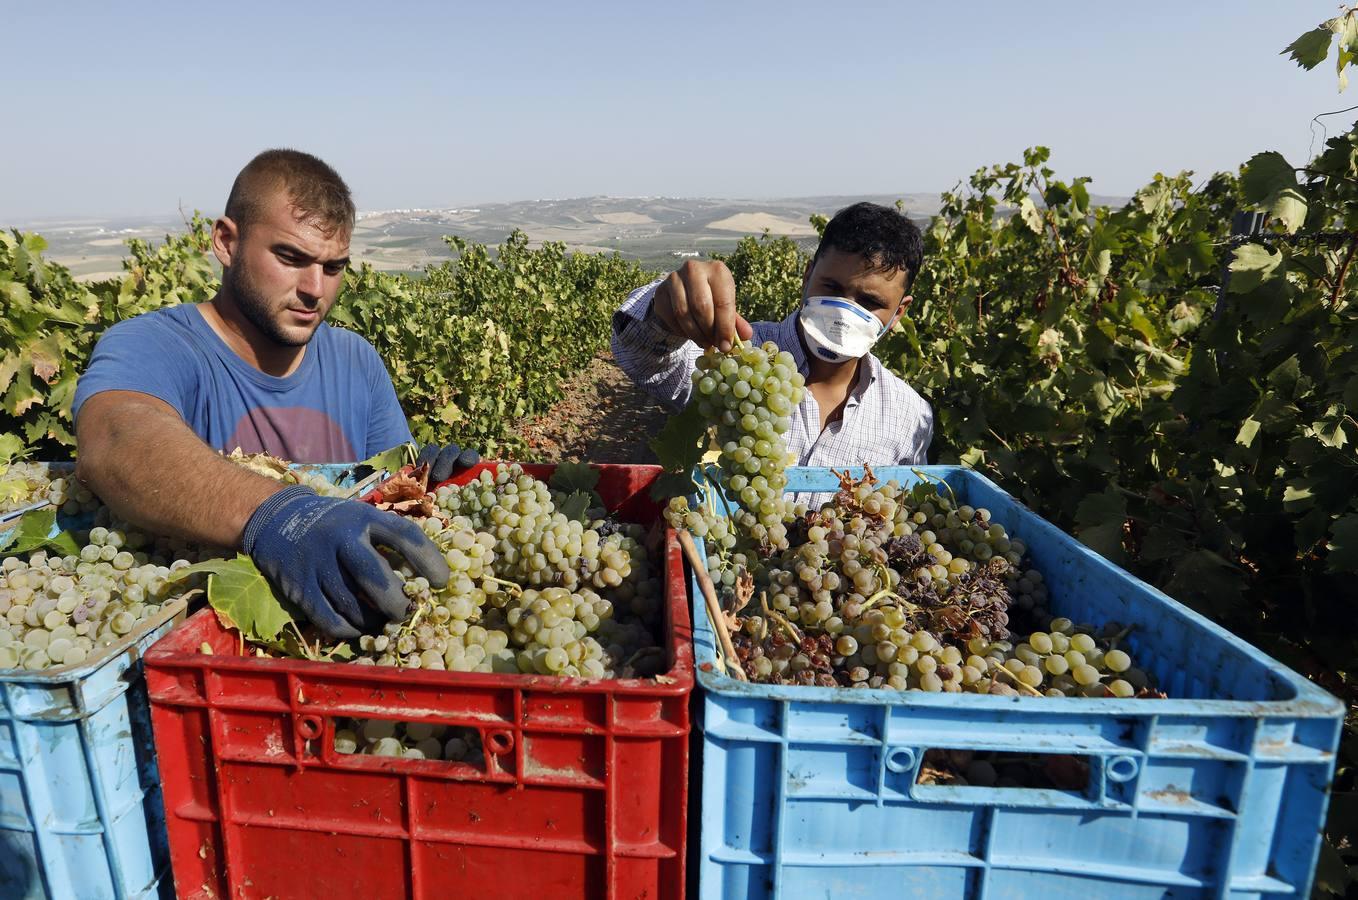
<point x="135" y="108"/>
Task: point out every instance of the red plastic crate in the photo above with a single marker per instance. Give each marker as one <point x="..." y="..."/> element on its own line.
<point x="583" y="791"/>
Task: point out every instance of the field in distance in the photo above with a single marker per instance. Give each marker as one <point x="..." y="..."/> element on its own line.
<point x="657" y="231"/>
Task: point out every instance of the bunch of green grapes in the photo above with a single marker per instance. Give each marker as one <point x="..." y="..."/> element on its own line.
<point x="532" y="591"/>
<point x="749" y="392"/>
<point x="408" y="740"/>
<point x="908" y="590"/>
<point x="60" y="610"/>
<point x="23" y="484"/>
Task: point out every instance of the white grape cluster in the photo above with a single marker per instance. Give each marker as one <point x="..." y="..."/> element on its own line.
<point x="750" y="393"/>
<point x="847" y="556"/>
<point x="23" y="484"/>
<point x="59" y="610"/>
<point x="408" y="740"/>
<point x="908" y="590"/>
<point x="532" y="591"/>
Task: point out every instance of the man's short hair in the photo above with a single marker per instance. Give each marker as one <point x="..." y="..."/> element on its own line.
<point x="881" y="234"/>
<point x="316" y="190"/>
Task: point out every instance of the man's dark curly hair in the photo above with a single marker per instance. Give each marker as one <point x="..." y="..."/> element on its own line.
<point x="886" y="238"/>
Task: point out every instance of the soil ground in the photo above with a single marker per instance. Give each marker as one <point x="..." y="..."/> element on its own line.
<point x="602" y="417"/>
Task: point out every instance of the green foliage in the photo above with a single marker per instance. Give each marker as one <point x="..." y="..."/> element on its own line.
<point x="52" y="321"/>
<point x="33" y="531"/>
<point x="1311" y="48"/>
<point x="1087" y="360"/>
<point x="768" y="275"/>
<point x="475" y="344"/>
<point x="242" y="598"/>
<point x="488" y="337"/>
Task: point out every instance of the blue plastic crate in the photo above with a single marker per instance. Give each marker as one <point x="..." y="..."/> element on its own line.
<point x="81" y="814"/>
<point x="1220" y="791"/>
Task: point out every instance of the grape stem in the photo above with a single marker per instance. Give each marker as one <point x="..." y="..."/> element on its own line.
<point x="731" y="663"/>
<point x="1014" y="678"/>
<point x="514" y="589"/>
<point x="929" y="479"/>
<point x="1118" y="638"/>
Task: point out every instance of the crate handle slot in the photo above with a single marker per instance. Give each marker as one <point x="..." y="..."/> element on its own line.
<point x="900" y="760"/>
<point x="946" y="769"/>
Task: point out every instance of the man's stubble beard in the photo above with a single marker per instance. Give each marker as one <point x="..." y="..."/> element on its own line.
<point x="255" y="308"/>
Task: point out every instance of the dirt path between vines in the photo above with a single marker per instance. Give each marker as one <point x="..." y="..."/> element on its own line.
<point x="602" y="417"/>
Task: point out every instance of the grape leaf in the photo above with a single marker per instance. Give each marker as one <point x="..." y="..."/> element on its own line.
<point x="673" y="484"/>
<point x="572" y="477"/>
<point x="680" y="444"/>
<point x="33" y="531"/>
<point x="1343" y="545"/>
<point x="242" y="598"/>
<point x="1252" y="266"/>
<point x="387" y="461"/>
<point x="576" y="503"/>
<point x="1099" y="519"/>
<point x="11" y="447"/>
<point x="1268" y="180"/>
<point x="404" y="486"/>
<point x="1311" y="48"/>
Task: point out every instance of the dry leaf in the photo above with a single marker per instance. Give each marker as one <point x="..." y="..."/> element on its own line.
<point x="404" y="485"/>
<point x="744" y="591"/>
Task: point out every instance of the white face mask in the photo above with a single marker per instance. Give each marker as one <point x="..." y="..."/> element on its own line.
<point x="837" y="329"/>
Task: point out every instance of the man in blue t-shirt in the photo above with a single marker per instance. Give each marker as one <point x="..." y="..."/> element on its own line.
<point x="257" y="368"/>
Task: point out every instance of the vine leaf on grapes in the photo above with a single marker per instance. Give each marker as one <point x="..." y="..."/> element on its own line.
<point x="404" y="485"/>
<point x="11" y="448"/>
<point x="679" y="447"/>
<point x="389" y="460"/>
<point x="570" y="477"/>
<point x="576" y="504"/>
<point x="34" y="532"/>
<point x="405" y="493"/>
<point x="577" y="481"/>
<point x="240" y="595"/>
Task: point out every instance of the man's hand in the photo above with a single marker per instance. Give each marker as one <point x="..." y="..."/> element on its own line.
<point x="321" y="552"/>
<point x="698" y="301"/>
<point x="445" y="461"/>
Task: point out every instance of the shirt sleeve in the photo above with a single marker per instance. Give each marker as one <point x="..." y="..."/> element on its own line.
<point x="657" y="361"/>
<point x="141" y="355"/>
<point x="387" y="425"/>
<point x="925" y="437"/>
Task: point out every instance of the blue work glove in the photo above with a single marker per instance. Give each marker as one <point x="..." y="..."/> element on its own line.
<point x="444" y="461"/>
<point x="321" y="552"/>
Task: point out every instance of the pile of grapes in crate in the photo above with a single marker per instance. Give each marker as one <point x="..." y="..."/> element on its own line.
<point x="59" y="609"/>
<point x="543" y="582"/>
<point x="878" y="586"/>
<point x="87" y="589"/>
<point x="408" y="740"/>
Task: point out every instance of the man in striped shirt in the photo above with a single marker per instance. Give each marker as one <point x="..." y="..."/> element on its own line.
<point x="854" y="410"/>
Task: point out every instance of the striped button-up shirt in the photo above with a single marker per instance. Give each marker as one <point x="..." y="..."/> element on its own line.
<point x="884" y="422"/>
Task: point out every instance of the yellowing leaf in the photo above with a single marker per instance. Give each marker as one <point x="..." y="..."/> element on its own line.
<point x="241" y="597"/>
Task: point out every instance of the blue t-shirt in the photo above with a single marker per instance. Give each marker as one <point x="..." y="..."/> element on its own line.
<point x="339" y="406"/>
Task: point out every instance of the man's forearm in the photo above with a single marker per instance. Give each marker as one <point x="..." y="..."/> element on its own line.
<point x="659" y="363"/>
<point x="140" y="458"/>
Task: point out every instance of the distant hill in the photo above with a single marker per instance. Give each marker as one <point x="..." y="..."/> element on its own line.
<point x="653" y="230"/>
